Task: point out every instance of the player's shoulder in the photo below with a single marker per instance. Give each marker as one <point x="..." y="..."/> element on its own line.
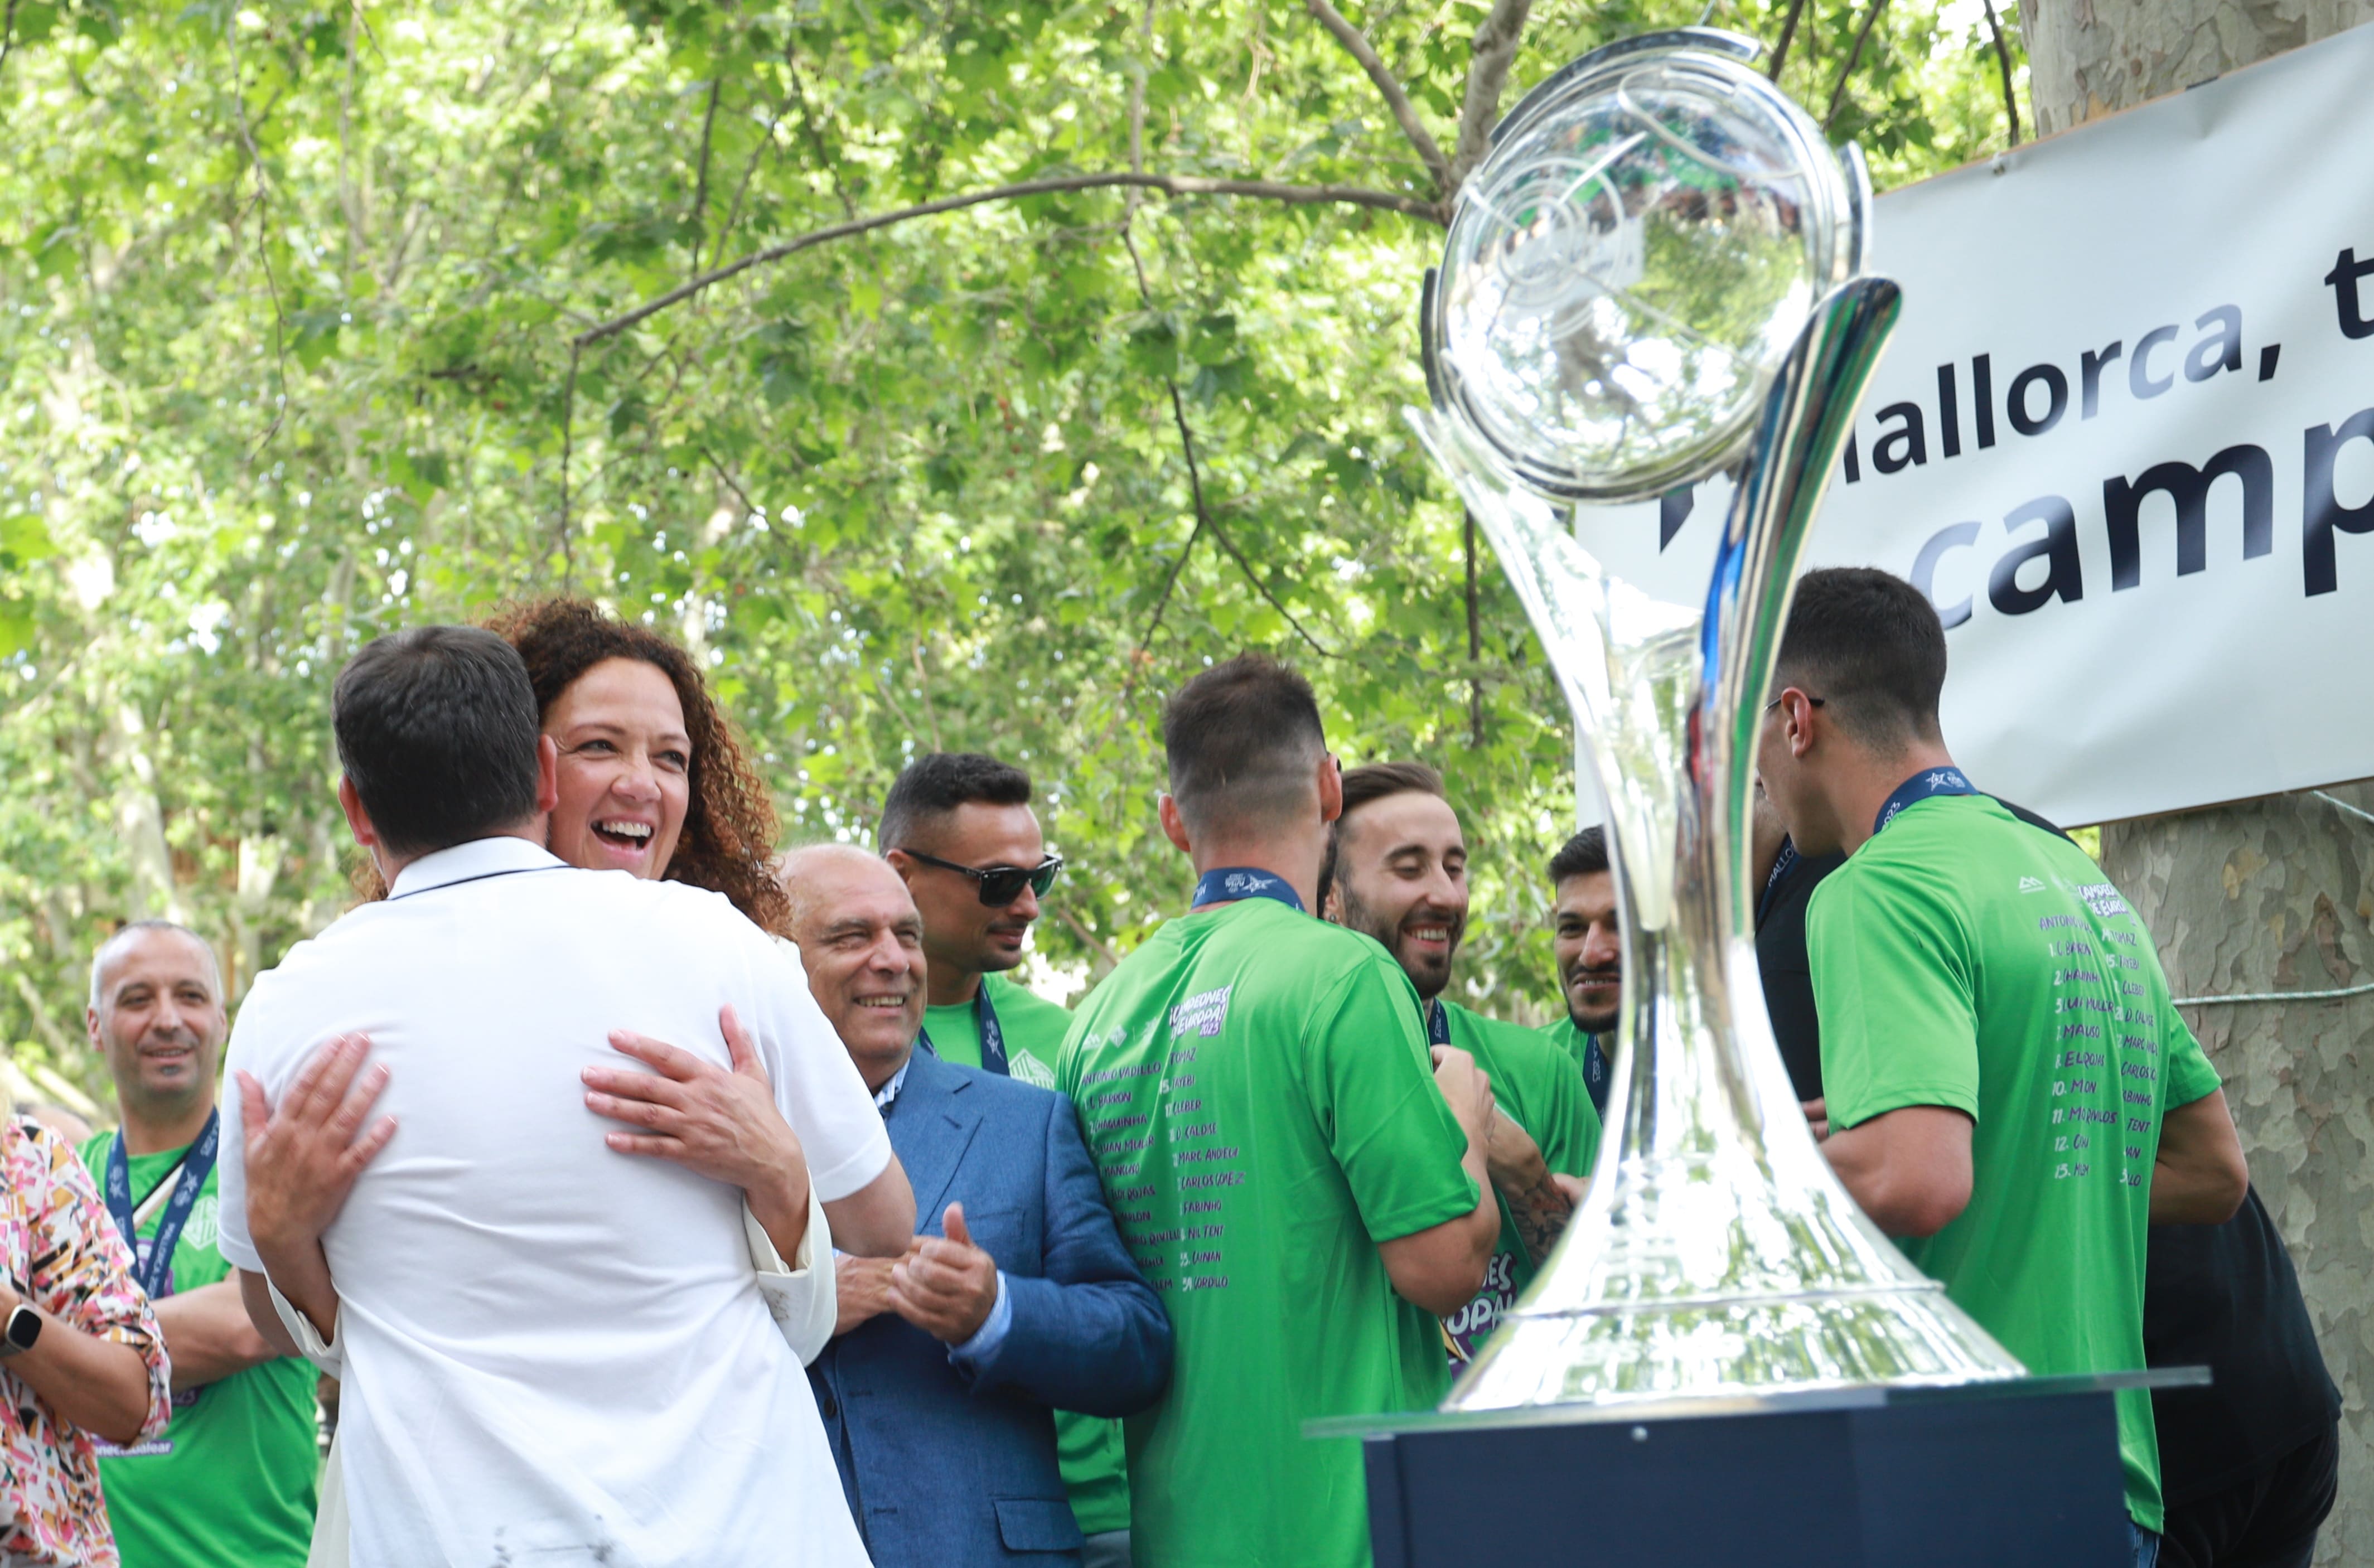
<point x="993" y="1093"/>
<point x="1021" y="1001"/>
<point x="1513" y="1048"/>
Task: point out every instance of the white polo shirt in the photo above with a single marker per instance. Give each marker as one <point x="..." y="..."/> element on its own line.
<point x="555" y="1353"/>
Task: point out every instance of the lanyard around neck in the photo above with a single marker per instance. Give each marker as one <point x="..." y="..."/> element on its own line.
<point x="154" y="1266"/>
<point x="993" y="1038"/>
<point x="1227" y="884"/>
<point x="1919" y="788"/>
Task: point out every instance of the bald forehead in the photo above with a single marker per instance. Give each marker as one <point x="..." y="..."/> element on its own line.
<point x="832" y="881"/>
<point x="150" y="949"/>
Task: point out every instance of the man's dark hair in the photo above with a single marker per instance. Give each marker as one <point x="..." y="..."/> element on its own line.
<point x="1243" y="739"/>
<point x="437" y="728"/>
<point x="937" y="783"/>
<point x="1869" y="644"/>
<point x="1580" y="856"/>
<point x="1365" y="785"/>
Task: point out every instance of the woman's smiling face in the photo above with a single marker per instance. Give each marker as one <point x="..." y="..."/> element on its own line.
<point x="626" y="768"/>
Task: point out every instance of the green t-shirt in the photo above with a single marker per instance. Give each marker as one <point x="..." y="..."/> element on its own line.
<point x="1963" y="958"/>
<point x="1032" y="1025"/>
<point x="1258" y="1096"/>
<point x="231" y="1480"/>
<point x="1588" y="1052"/>
<point x="1095" y="1464"/>
<point x="1536" y="1086"/>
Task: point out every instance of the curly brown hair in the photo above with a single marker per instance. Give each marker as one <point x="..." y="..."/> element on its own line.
<point x="728" y="843"/>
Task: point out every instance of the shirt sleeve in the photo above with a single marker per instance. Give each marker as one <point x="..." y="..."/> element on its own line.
<point x="2190" y="1075"/>
<point x="1371" y="1085"/>
<point x="1897" y="994"/>
<point x="816" y="1087"/>
<point x="82" y="1271"/>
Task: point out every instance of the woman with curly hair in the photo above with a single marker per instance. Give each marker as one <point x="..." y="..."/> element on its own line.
<point x="654" y="780"/>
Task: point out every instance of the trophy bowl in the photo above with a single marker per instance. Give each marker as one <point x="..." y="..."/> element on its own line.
<point x="1656" y="274"/>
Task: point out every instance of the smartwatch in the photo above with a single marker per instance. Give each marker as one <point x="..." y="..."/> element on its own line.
<point x="24" y="1327"/>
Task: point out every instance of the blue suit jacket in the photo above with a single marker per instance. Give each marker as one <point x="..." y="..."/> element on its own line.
<point x="950" y="1468"/>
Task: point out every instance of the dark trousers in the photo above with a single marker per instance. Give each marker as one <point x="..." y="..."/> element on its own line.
<point x="2268" y="1520"/>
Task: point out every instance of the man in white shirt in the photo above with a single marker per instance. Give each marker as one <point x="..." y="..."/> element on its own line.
<point x="553" y="1352"/>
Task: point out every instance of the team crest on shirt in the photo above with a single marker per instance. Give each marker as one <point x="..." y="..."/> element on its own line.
<point x="1030" y="1069"/>
<point x="2030" y="885"/>
<point x="203" y="1222"/>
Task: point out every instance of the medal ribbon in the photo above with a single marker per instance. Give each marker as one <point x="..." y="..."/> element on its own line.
<point x="1226" y="884"/>
<point x="1919" y="788"/>
<point x="154" y="1265"/>
<point x="993" y="1038"/>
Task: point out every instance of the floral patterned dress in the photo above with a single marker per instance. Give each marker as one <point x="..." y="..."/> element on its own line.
<point x="60" y="1251"/>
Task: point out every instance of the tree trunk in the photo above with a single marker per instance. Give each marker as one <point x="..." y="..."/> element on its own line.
<point x="2272" y="895"/>
<point x="2093" y="57"/>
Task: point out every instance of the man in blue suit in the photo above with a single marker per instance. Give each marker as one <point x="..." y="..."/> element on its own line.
<point x="1016" y="1298"/>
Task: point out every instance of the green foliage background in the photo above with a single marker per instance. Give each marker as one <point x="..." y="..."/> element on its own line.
<point x="288" y="298"/>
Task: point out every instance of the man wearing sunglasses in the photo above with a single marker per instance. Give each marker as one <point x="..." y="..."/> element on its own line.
<point x="958" y="829"/>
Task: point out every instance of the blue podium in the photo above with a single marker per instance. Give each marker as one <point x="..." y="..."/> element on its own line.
<point x="2017" y="1474"/>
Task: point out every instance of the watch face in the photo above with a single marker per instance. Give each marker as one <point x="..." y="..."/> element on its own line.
<point x="24" y="1326"/>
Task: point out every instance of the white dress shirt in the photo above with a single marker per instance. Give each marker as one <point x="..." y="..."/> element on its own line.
<point x="554" y="1353"/>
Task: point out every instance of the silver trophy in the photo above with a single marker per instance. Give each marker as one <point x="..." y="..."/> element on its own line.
<point x="1654" y="276"/>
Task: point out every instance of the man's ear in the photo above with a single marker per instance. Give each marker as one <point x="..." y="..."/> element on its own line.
<point x="1174" y="826"/>
<point x="903" y="863"/>
<point x="547" y="775"/>
<point x="1330" y="787"/>
<point x="1330" y="908"/>
<point x="1798" y="716"/>
<point x="359" y="821"/>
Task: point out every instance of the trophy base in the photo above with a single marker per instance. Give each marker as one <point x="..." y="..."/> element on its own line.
<point x="1909" y="1336"/>
<point x="1970" y="1478"/>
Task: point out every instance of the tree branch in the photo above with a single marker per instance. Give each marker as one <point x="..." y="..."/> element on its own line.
<point x="7" y="33"/>
<point x="1855" y="58"/>
<point x="1404" y="113"/>
<point x="700" y="210"/>
<point x="1203" y="518"/>
<point x="1475" y="643"/>
<point x="2002" y="59"/>
<point x="1167" y="184"/>
<point x="1487" y="75"/>
<point x="1080" y="929"/>
<point x="567" y="433"/>
<point x="1788" y="36"/>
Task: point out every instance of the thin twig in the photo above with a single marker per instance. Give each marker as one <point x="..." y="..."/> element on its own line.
<point x="701" y="181"/>
<point x="750" y="167"/>
<point x="1475" y="644"/>
<point x="1168" y="184"/>
<point x="824" y="160"/>
<point x="263" y="250"/>
<point x="1112" y="958"/>
<point x="1404" y="113"/>
<point x="749" y="506"/>
<point x="1855" y="58"/>
<point x="1788" y="36"/>
<point x="568" y="441"/>
<point x="1487" y="75"/>
<point x="1203" y="518"/>
<point x="1154" y="622"/>
<point x="2002" y="59"/>
<point x="7" y="34"/>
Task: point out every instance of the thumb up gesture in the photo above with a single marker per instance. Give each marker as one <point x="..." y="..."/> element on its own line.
<point x="944" y="1286"/>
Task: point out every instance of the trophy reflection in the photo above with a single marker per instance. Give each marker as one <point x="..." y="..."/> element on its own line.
<point x="1654" y="276"/>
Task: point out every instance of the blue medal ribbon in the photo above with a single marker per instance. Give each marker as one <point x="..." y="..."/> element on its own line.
<point x="1595" y="1074"/>
<point x="1782" y="864"/>
<point x="1919" y="788"/>
<point x="1438" y="1022"/>
<point x="153" y="1264"/>
<point x="993" y="1038"/>
<point x="1226" y="884"/>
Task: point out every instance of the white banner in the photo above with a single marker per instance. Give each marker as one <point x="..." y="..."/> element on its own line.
<point x="2124" y="439"/>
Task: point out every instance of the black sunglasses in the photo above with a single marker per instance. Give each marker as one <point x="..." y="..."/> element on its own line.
<point x="1000" y="885"/>
<point x="1810" y="702"/>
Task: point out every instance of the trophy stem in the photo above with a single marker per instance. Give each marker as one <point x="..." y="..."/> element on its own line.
<point x="1716" y="1253"/>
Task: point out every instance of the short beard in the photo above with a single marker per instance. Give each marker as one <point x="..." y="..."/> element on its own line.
<point x="1359" y="918"/>
<point x="1595" y="1023"/>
